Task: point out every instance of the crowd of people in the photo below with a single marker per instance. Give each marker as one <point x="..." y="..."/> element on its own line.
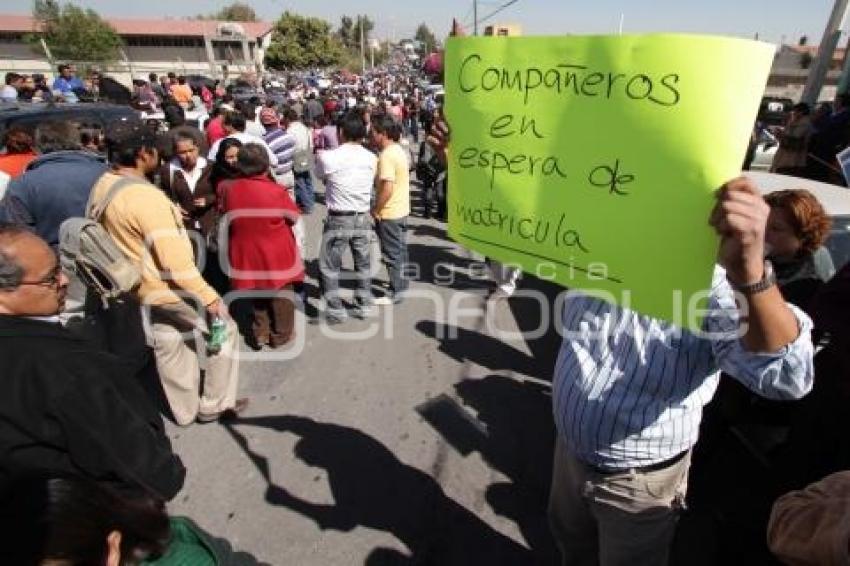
<point x="166" y="200"/>
<point x="199" y="212"/>
<point x="809" y="140"/>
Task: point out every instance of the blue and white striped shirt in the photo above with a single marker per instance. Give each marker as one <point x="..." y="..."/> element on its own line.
<point x="629" y="390"/>
<point x="282" y="145"/>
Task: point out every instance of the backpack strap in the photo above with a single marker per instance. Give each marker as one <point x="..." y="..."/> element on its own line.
<point x="94" y="211"/>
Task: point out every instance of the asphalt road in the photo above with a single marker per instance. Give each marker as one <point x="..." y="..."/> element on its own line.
<point x="422" y="436"/>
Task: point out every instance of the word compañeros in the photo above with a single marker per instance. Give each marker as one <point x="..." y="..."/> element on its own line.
<point x="578" y="80"/>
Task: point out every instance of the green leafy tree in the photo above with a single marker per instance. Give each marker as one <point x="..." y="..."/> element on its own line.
<point x="235" y="12"/>
<point x="299" y="42"/>
<point x="346" y="32"/>
<point x="367" y="25"/>
<point x="426" y="37"/>
<point x="73" y="33"/>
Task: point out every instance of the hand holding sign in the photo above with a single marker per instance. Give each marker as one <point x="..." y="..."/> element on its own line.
<point x="599" y="156"/>
<point x="740" y="217"/>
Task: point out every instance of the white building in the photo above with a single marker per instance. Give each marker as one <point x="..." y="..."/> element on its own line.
<point x="189" y="47"/>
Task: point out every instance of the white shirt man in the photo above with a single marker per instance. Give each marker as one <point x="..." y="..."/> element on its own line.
<point x="348" y="173"/>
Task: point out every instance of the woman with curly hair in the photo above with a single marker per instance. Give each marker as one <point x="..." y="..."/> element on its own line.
<point x="797" y="228"/>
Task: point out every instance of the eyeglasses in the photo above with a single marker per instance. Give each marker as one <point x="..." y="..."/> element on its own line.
<point x="49" y="280"/>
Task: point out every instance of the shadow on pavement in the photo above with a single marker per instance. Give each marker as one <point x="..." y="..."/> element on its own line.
<point x="440" y="265"/>
<point x="462" y="345"/>
<point x="513" y="433"/>
<point x="512" y="428"/>
<point x="372" y="488"/>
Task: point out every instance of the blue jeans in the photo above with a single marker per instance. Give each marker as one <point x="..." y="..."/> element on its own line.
<point x="393" y="237"/>
<point x="341" y="232"/>
<point x="411" y="127"/>
<point x="304" y="191"/>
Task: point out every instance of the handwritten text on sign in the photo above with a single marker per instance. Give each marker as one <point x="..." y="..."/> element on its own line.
<point x="598" y="156"/>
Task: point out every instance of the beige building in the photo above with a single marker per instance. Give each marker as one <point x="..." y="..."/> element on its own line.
<point x="189" y="47"/>
<point x="791" y="69"/>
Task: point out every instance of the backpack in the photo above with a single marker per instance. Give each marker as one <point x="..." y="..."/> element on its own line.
<point x="428" y="166"/>
<point x="87" y="249"/>
<point x="301" y="161"/>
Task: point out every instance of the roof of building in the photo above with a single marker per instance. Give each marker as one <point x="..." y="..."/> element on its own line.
<point x="813" y="50"/>
<point x="23" y="23"/>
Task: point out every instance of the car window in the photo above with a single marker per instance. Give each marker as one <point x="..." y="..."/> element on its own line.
<point x="838" y="243"/>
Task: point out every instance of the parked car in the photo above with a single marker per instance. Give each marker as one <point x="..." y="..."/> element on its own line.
<point x="774" y="110"/>
<point x="765" y="151"/>
<point x="91" y="117"/>
<point x="279" y="96"/>
<point x="243" y="91"/>
<point x="198" y="80"/>
<point x="196" y="118"/>
<point x="835" y="200"/>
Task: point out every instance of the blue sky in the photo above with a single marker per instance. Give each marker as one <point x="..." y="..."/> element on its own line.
<point x="772" y="19"/>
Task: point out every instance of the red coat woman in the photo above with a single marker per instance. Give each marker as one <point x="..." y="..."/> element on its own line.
<point x="261" y="248"/>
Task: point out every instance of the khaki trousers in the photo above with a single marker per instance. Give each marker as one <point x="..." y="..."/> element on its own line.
<point x="178" y="335"/>
<point x="625" y="518"/>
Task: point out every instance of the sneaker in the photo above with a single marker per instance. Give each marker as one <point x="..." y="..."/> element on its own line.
<point x="384" y="300"/>
<point x="498" y="294"/>
<point x="362" y="313"/>
<point x="333" y="320"/>
<point x="225" y="415"/>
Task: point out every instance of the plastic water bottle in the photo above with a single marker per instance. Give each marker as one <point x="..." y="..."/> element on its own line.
<point x="218" y="335"/>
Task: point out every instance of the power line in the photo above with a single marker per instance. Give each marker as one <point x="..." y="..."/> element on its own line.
<point x="467" y="15"/>
<point x="496" y="11"/>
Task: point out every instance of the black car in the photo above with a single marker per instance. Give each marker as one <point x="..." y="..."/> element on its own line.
<point x="774" y="110"/>
<point x="196" y="81"/>
<point x="243" y="91"/>
<point x="93" y="116"/>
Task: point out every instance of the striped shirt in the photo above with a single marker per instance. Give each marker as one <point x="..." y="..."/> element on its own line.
<point x="628" y="390"/>
<point x="282" y="145"/>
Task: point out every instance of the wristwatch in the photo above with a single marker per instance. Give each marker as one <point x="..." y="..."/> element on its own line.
<point x="767" y="281"/>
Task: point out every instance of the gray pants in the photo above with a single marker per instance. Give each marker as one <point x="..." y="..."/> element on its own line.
<point x="393" y="237"/>
<point x="340" y="233"/>
<point x="614" y="519"/>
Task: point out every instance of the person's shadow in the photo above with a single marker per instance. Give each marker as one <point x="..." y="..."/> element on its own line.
<point x="372" y="488"/>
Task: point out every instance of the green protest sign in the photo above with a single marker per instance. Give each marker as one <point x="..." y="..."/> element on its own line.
<point x="593" y="160"/>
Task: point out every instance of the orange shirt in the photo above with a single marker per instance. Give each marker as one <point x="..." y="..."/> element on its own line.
<point x="13" y="164"/>
<point x="181" y="93"/>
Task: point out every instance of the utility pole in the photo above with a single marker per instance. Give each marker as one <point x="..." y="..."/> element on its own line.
<point x="362" y="51"/>
<point x="844" y="81"/>
<point x="821" y="64"/>
<point x="475" y="17"/>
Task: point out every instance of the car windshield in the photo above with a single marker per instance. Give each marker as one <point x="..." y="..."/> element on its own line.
<point x="839" y="241"/>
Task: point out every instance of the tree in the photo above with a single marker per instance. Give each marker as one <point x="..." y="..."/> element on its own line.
<point x="367" y="24"/>
<point x="346" y="32"/>
<point x="73" y="33"/>
<point x="235" y="12"/>
<point x="425" y="36"/>
<point x="349" y="31"/>
<point x="299" y="42"/>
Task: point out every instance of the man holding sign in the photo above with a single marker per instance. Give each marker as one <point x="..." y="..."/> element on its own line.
<point x="634" y="371"/>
